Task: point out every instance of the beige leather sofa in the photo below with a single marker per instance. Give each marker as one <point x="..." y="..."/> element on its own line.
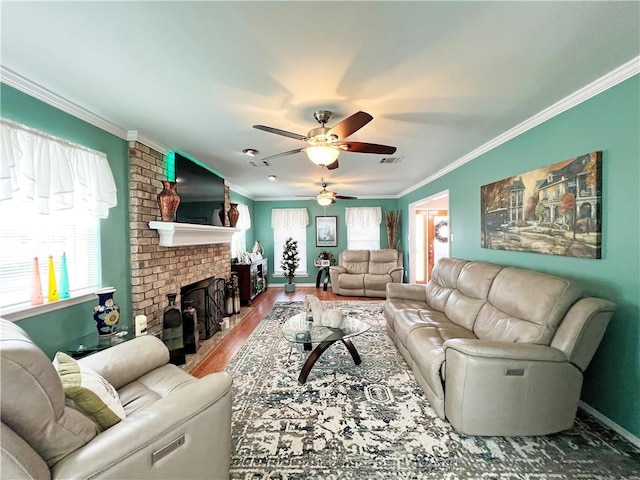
<point x="44" y="438"/>
<point x="497" y="350"/>
<point x="365" y="273"/>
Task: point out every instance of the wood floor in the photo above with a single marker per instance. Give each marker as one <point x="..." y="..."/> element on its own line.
<point x="220" y="356"/>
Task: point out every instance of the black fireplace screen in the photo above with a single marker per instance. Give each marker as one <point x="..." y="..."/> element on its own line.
<point x="208" y="300"/>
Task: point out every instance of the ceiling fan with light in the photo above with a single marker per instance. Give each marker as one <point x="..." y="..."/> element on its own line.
<point x="327" y="197"/>
<point x="325" y="143"/>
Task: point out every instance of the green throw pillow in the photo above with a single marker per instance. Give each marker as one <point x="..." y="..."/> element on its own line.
<point x="91" y="394"/>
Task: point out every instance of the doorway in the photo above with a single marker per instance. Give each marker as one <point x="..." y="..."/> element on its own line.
<point x="428" y="235"/>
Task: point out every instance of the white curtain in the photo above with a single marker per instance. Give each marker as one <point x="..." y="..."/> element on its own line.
<point x="239" y="239"/>
<point x="363" y="216"/>
<point x="244" y="220"/>
<point x="288" y="218"/>
<point x="52" y="174"/>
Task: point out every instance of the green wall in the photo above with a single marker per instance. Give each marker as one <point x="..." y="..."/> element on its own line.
<point x="609" y="122"/>
<point x="264" y="232"/>
<point x="51" y="331"/>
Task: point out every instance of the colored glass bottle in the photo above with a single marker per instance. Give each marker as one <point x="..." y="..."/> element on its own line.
<point x="53" y="287"/>
<point x="64" y="277"/>
<point x="36" y="286"/>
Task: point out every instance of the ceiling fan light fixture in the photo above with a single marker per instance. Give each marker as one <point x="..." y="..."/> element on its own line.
<point x="324" y="200"/>
<point x="322" y="155"/>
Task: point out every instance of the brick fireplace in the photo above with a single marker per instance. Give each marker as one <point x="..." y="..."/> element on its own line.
<point x="155" y="270"/>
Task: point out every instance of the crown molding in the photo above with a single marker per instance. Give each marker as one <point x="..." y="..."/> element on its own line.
<point x="134" y="136"/>
<point x="600" y="85"/>
<point x="239" y="190"/>
<point x="32" y="89"/>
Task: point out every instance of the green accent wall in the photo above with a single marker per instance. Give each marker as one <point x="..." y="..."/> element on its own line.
<point x="264" y="232"/>
<point x="51" y="331"/>
<point x="609" y="122"/>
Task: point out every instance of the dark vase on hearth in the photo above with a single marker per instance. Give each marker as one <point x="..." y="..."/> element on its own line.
<point x="168" y="201"/>
<point x="190" y="332"/>
<point x="233" y="214"/>
<point x="172" y="333"/>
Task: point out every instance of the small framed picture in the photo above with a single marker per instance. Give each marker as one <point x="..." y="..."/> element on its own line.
<point x="327" y="231"/>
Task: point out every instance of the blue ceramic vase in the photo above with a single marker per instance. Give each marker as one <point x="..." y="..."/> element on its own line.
<point x="106" y="313"/>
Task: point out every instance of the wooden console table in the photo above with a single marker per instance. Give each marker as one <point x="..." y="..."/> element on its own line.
<point x="252" y="278"/>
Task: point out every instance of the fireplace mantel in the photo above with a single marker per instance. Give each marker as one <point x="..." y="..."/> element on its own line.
<point x="183" y="234"/>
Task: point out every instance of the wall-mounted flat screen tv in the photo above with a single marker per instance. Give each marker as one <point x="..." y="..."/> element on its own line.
<point x="201" y="193"/>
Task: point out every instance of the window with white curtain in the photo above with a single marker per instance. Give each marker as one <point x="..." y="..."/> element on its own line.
<point x="52" y="195"/>
<point x="289" y="222"/>
<point x="239" y="239"/>
<point x="363" y="227"/>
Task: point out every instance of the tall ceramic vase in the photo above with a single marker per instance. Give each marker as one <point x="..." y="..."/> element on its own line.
<point x="233" y="214"/>
<point x="168" y="201"/>
<point x="222" y="214"/>
<point x="106" y="313"/>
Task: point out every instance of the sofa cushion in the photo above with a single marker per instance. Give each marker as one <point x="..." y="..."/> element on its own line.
<point x="36" y="409"/>
<point x="153" y="386"/>
<point x="377" y="282"/>
<point x="355" y="261"/>
<point x="444" y="279"/>
<point x="381" y="261"/>
<point x="525" y="306"/>
<point x="352" y="281"/>
<point x="407" y="320"/>
<point x="90" y="393"/>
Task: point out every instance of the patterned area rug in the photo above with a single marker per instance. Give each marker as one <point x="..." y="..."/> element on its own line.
<point x="372" y="421"/>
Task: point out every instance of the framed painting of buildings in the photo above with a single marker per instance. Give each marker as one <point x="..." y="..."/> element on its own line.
<point x="554" y="210"/>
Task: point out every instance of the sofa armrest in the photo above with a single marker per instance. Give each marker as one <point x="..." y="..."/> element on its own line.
<point x="396" y="274"/>
<point x="125" y="362"/>
<point x="407" y="291"/>
<point x="337" y="269"/>
<point x="201" y="411"/>
<point x="504" y="350"/>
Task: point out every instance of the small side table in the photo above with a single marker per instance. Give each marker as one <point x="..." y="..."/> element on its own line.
<point x="83" y="346"/>
<point x="323" y="271"/>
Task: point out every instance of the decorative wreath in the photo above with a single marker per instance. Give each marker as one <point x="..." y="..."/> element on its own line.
<point x="442" y="224"/>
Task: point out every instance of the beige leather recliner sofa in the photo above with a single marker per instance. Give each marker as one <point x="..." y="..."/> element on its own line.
<point x="497" y="350"/>
<point x="44" y="438"/>
<point x="365" y="273"/>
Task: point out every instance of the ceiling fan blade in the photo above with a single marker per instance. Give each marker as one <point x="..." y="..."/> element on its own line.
<point x="350" y="125"/>
<point x="360" y="147"/>
<point x="290" y="152"/>
<point x="345" y="197"/>
<point x="333" y="166"/>
<point x="277" y="131"/>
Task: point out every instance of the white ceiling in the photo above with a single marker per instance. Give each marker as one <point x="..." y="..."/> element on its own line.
<point x="440" y="78"/>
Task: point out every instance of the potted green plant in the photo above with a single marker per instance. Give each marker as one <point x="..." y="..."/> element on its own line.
<point x="289" y="263"/>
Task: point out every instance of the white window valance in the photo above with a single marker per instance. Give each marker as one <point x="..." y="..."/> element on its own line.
<point x="51" y="174"/>
<point x="363" y="216"/>
<point x="287" y="218"/>
<point x="244" y="220"/>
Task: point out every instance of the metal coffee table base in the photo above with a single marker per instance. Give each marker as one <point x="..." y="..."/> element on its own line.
<point x="319" y="350"/>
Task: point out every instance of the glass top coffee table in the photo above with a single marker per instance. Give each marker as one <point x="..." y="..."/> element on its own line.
<point x="298" y="329"/>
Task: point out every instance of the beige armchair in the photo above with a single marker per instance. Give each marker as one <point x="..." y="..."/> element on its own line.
<point x="176" y="426"/>
<point x="366" y="273"/>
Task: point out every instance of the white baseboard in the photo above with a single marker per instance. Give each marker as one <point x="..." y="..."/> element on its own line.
<point x="298" y="284"/>
<point x="610" y="423"/>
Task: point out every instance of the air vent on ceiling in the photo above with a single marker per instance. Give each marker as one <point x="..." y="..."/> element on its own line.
<point x="259" y="163"/>
<point x="391" y="160"/>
